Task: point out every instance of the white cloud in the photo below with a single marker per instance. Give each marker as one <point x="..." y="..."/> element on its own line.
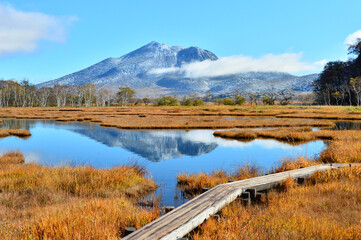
<point x="287" y="62"/>
<point x="352" y="38"/>
<point x="322" y="63"/>
<point x="22" y="31"/>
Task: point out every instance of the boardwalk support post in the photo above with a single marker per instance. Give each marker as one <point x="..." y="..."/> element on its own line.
<point x="252" y="193"/>
<point x="216" y="216"/>
<point x="246" y="198"/>
<point x="205" y="189"/>
<point x="129" y="230"/>
<point x="168" y="209"/>
<point x="301" y="180"/>
<point x="259" y="196"/>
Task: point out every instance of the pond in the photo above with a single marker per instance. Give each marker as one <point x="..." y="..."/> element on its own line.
<point x="163" y="153"/>
<point x="347" y="125"/>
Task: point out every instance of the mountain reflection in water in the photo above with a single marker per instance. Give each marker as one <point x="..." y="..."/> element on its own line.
<point x="151" y="145"/>
<point x="163" y="153"/>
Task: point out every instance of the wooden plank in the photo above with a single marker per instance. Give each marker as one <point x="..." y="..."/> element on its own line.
<point x="188" y="216"/>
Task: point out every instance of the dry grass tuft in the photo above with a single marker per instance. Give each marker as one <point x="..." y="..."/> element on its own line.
<point x="14" y="132"/>
<point x="12" y="158"/>
<point x="237" y="134"/>
<point x="192" y="184"/>
<point x="292" y="164"/>
<point x="348" y="150"/>
<point x="290" y="135"/>
<point x="287" y="184"/>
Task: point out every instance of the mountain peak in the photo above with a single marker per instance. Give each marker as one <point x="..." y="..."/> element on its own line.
<point x="135" y="70"/>
<point x="194" y="54"/>
<point x="154" y="43"/>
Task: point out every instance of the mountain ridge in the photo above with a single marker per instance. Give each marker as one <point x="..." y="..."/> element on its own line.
<point x="135" y="70"/>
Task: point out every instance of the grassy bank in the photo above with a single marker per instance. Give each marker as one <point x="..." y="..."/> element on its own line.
<point x="328" y="207"/>
<point x="70" y="203"/>
<point x="188" y="117"/>
<point x="344" y="145"/>
<point x="14" y="132"/>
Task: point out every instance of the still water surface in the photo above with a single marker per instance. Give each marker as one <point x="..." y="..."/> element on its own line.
<point x="163" y="153"/>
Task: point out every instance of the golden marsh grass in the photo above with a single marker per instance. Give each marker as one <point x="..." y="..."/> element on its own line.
<point x="70" y="203"/>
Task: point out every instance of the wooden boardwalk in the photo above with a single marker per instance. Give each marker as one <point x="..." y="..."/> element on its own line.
<point x="180" y="221"/>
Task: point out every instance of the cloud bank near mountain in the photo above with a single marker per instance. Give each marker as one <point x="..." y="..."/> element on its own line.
<point x="22" y="31"/>
<point x="287" y="62"/>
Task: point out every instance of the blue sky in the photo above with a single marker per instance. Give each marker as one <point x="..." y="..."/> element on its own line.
<point x="60" y="37"/>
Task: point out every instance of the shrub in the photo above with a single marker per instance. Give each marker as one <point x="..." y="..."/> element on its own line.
<point x="192" y="102"/>
<point x="240" y="100"/>
<point x="139" y="101"/>
<point x="218" y="101"/>
<point x="268" y="101"/>
<point x="228" y="101"/>
<point x="147" y="101"/>
<point x="166" y="101"/>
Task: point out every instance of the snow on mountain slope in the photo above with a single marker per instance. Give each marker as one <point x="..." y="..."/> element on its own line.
<point x="134" y="70"/>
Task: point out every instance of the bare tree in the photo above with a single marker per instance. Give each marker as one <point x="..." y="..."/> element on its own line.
<point x="286" y="96"/>
<point x="80" y="92"/>
<point x="44" y="93"/>
<point x="356" y="87"/>
<point x="236" y="93"/>
<point x="270" y="96"/>
<point x="208" y="96"/>
<point x="88" y="94"/>
<point x="101" y="96"/>
<point x="60" y="93"/>
<point x="346" y="88"/>
<point x="253" y="97"/>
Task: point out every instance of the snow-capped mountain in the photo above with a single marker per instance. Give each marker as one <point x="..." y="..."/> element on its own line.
<point x="135" y="70"/>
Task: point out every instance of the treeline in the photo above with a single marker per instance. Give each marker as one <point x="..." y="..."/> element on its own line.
<point x="24" y="94"/>
<point x="236" y="97"/>
<point x="340" y="82"/>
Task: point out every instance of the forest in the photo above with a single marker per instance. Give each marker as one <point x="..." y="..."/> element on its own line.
<point x="340" y="82"/>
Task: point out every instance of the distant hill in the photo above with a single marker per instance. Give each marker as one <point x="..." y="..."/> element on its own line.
<point x="133" y="70"/>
